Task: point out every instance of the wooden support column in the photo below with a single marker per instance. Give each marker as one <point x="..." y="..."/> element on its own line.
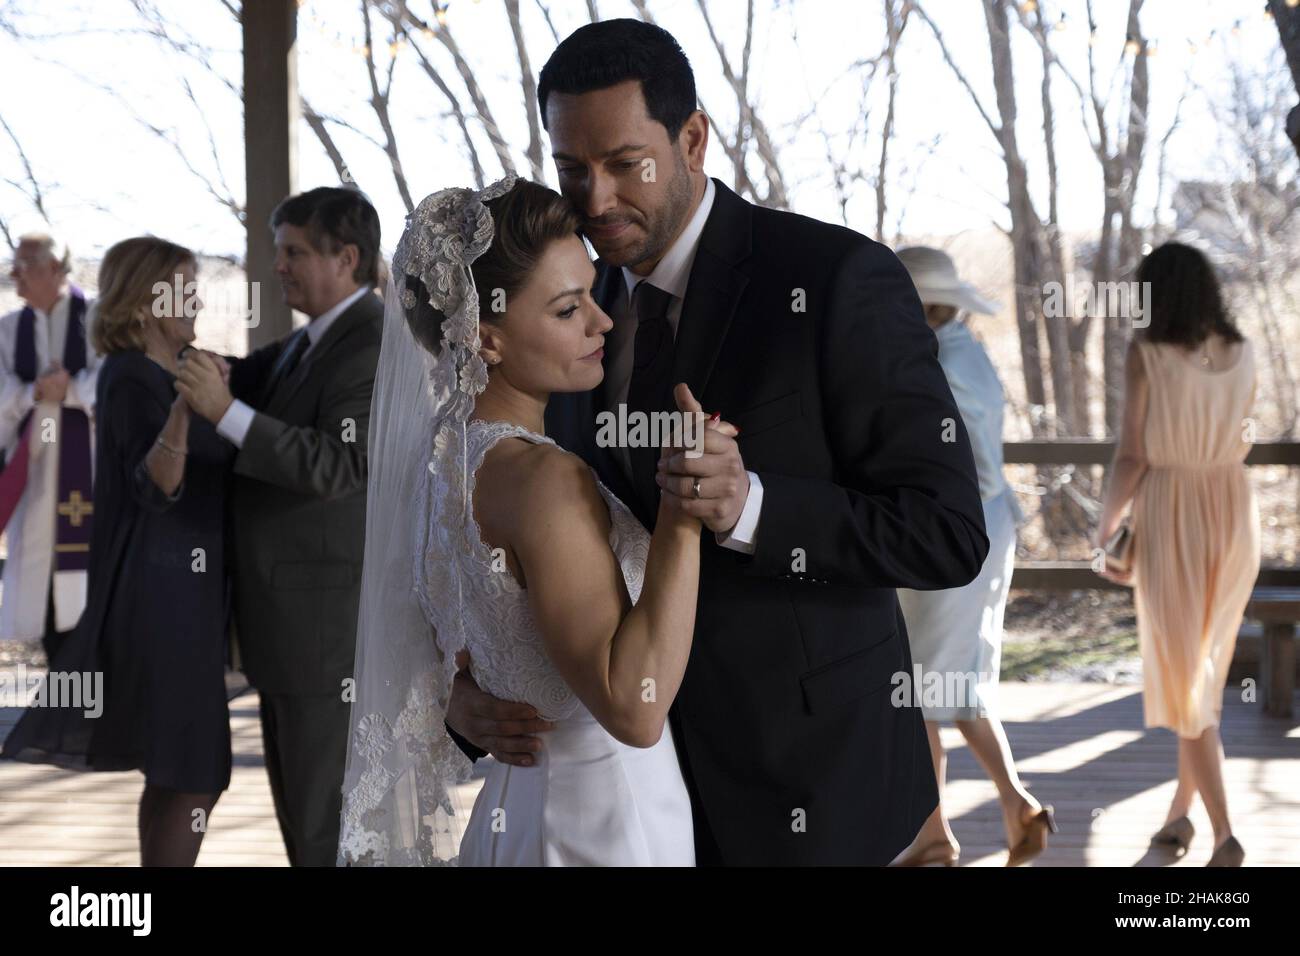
<point x="270" y="29"/>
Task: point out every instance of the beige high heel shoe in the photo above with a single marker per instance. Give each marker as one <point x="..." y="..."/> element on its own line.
<point x="1229" y="853"/>
<point x="1176" y="834"/>
<point x="939" y="852"/>
<point x="1034" y="841"/>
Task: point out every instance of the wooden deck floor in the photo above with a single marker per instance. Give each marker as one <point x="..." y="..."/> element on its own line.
<point x="1080" y="747"/>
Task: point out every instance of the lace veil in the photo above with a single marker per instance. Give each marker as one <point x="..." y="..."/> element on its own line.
<point x="402" y="767"/>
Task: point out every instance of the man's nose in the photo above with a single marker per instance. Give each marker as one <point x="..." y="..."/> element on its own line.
<point x="600" y="197"/>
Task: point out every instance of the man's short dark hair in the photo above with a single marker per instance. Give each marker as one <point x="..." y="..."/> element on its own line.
<point x="333" y="218"/>
<point x="604" y="54"/>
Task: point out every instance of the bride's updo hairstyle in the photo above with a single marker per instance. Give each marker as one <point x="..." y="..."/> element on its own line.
<point x="525" y="221"/>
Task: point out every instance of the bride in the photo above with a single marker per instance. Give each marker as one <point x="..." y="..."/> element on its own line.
<point x="488" y="546"/>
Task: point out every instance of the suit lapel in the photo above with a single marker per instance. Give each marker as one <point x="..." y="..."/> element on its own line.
<point x="353" y="317"/>
<point x="714" y="289"/>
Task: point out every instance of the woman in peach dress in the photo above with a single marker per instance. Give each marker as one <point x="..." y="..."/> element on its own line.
<point x="1189" y="387"/>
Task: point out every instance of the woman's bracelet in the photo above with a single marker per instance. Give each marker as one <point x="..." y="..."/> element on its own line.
<point x="174" y="452"/>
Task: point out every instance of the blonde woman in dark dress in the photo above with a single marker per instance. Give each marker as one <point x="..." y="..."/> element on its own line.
<point x="155" y="618"/>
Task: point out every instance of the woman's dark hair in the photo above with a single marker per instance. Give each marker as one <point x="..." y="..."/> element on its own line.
<point x="1184" y="306"/>
<point x="525" y="221"/>
<point x="600" y="55"/>
<point x="333" y="218"/>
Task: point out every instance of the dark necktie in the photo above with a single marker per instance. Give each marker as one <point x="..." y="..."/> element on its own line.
<point x="650" y="389"/>
<point x="288" y="360"/>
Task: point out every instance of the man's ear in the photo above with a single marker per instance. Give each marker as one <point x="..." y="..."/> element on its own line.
<point x="694" y="139"/>
<point x="349" y="256"/>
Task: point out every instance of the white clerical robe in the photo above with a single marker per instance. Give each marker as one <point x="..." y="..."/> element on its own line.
<point x="30" y="564"/>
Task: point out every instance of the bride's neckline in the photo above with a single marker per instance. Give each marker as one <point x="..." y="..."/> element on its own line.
<point x="505" y="423"/>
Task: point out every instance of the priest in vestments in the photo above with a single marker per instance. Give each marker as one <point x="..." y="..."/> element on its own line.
<point x="47" y="400"/>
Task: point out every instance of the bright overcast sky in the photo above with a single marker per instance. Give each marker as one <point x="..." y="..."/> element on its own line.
<point x="76" y="101"/>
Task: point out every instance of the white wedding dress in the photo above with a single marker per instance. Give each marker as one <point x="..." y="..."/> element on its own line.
<point x="589" y="800"/>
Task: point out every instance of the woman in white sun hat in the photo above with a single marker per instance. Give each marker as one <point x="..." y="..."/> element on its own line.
<point x="956" y="634"/>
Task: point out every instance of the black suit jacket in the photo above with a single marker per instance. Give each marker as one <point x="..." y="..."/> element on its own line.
<point x="810" y="338"/>
<point x="298" y="505"/>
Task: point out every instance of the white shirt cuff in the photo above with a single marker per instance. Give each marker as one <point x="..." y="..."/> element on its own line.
<point x="744" y="535"/>
<point x="234" y="425"/>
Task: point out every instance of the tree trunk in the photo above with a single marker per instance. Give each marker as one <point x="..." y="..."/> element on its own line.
<point x="1026" y="244"/>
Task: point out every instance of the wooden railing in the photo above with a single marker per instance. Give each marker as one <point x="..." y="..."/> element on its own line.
<point x="1078" y="575"/>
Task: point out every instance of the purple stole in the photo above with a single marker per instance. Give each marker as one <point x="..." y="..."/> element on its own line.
<point x="74" y="507"/>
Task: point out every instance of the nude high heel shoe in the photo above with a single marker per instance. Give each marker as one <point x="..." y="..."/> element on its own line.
<point x="1229" y="853"/>
<point x="939" y="852"/>
<point x="1034" y="841"/>
<point x="1176" y="834"/>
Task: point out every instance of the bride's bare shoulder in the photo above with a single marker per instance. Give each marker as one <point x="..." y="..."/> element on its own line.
<point x="527" y="480"/>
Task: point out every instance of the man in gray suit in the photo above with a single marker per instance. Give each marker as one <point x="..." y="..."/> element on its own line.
<point x="299" y="410"/>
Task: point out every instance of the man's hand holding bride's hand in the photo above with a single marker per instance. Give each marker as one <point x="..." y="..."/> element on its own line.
<point x="503" y="728"/>
<point x="723" y="484"/>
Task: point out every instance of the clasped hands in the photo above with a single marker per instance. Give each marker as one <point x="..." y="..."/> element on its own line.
<point x="712" y="486"/>
<point x="203" y="381"/>
<point x="52" y="386"/>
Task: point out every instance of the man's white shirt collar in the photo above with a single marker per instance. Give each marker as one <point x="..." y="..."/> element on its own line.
<point x="674" y="270"/>
<point x="318" y="326"/>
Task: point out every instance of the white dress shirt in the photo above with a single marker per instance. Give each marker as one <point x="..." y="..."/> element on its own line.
<point x="234" y="425"/>
<point x="672" y="274"/>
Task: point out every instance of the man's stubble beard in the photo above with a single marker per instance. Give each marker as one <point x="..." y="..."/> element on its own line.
<point x="662" y="229"/>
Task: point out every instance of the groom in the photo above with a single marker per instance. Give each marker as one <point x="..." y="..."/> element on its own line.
<point x="851" y="475"/>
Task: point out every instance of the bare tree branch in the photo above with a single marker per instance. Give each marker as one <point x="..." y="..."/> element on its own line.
<point x="956" y="70"/>
<point x="546" y="15"/>
<point x="895" y="24"/>
<point x="316" y="122"/>
<point x="1164" y="145"/>
<point x="534" y="151"/>
<point x="379" y="103"/>
<point x="749" y="122"/>
<point x="457" y="112"/>
<point x="442" y="33"/>
<point x="32" y="188"/>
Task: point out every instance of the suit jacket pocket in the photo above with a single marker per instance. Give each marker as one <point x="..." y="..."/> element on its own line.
<point x="760" y="418"/>
<point x="311" y="575"/>
<point x="864" y="672"/>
